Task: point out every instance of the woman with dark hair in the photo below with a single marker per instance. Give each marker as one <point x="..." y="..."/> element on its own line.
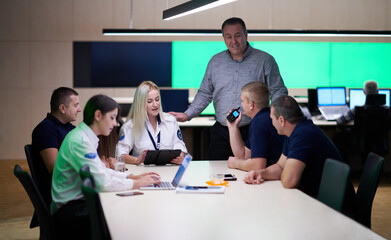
<point x="78" y="148"/>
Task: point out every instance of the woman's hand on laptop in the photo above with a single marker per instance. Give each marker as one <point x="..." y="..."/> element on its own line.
<point x="144" y="179"/>
<point x="152" y="174"/>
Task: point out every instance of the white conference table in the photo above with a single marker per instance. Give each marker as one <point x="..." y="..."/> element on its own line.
<point x="265" y="211"/>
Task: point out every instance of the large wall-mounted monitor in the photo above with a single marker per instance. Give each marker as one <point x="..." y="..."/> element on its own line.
<point x="121" y="64"/>
<point x="182" y="64"/>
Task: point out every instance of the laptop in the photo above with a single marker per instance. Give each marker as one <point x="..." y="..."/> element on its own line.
<point x="161" y="157"/>
<point x="357" y="97"/>
<point x="171" y="185"/>
<point x="306" y="112"/>
<point x="332" y="102"/>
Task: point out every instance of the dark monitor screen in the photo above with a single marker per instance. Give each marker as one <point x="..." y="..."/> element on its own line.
<point x="121" y="64"/>
<point x="174" y="100"/>
<point x="125" y="108"/>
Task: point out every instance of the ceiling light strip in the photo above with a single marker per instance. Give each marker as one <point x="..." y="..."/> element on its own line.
<point x="191" y="7"/>
<point x="259" y="33"/>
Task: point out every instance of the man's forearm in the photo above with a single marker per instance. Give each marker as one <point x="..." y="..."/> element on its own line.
<point x="251" y="164"/>
<point x="272" y="172"/>
<point x="236" y="143"/>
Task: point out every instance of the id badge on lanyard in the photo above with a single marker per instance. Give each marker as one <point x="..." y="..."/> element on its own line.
<point x="156" y="145"/>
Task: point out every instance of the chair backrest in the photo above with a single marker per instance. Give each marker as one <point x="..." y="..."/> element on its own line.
<point x="372" y="124"/>
<point x="46" y="222"/>
<point x="375" y="99"/>
<point x="367" y="188"/>
<point x="39" y="173"/>
<point x="333" y="183"/>
<point x="86" y="173"/>
<point x="28" y="149"/>
<point x="99" y="228"/>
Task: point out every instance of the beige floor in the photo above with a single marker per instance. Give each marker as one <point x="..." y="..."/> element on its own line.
<point x="16" y="209"/>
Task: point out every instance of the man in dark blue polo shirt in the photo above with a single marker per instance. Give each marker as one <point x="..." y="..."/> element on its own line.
<point x="49" y="134"/>
<point x="263" y="146"/>
<point x="305" y="150"/>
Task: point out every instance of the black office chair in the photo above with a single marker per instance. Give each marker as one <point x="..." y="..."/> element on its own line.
<point x="375" y="99"/>
<point x="371" y="126"/>
<point x="367" y="188"/>
<point x="46" y="222"/>
<point x="333" y="183"/>
<point x="99" y="228"/>
<point x="28" y="149"/>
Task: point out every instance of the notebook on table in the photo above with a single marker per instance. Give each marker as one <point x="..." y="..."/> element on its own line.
<point x="161" y="157"/>
<point x="175" y="182"/>
<point x="332" y="102"/>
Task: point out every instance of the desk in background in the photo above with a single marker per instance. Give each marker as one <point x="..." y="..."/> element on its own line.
<point x="266" y="211"/>
<point x="199" y="127"/>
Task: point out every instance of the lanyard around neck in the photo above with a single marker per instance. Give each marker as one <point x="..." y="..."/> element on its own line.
<point x="157" y="146"/>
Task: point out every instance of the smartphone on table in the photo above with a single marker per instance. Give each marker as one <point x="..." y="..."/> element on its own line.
<point x="229" y="177"/>
<point x="125" y="194"/>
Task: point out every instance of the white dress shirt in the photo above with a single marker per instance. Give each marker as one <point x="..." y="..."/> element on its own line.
<point x="78" y="148"/>
<point x="170" y="137"/>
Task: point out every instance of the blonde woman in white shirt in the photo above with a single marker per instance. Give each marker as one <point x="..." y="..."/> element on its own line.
<point x="148" y="127"/>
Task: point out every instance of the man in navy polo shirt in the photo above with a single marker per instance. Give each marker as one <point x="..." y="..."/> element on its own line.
<point x="263" y="146"/>
<point x="48" y="135"/>
<point x="305" y="150"/>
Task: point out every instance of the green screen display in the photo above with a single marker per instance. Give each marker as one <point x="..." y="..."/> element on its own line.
<point x="301" y="64"/>
<point x="355" y="63"/>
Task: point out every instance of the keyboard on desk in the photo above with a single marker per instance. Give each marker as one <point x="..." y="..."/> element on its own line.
<point x="164" y="185"/>
<point x="160" y="186"/>
<point x="333" y="112"/>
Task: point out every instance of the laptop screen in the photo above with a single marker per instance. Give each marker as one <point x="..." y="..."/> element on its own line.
<point x="357" y="97"/>
<point x="330" y="96"/>
<point x="181" y="170"/>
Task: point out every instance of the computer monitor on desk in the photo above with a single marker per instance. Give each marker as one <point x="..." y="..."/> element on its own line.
<point x="332" y="102"/>
<point x="312" y="100"/>
<point x="124" y="109"/>
<point x="174" y="100"/>
<point x="357" y="97"/>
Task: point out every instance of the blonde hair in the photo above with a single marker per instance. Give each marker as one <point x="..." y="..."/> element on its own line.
<point x="138" y="111"/>
<point x="258" y="93"/>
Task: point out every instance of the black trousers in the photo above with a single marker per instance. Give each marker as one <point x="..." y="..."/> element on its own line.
<point x="219" y="147"/>
<point x="72" y="220"/>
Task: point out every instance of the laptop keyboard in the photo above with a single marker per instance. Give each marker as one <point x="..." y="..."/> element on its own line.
<point x="163" y="185"/>
<point x="335" y="110"/>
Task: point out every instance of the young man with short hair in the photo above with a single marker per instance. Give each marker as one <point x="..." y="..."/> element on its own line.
<point x="263" y="146"/>
<point x="48" y="135"/>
